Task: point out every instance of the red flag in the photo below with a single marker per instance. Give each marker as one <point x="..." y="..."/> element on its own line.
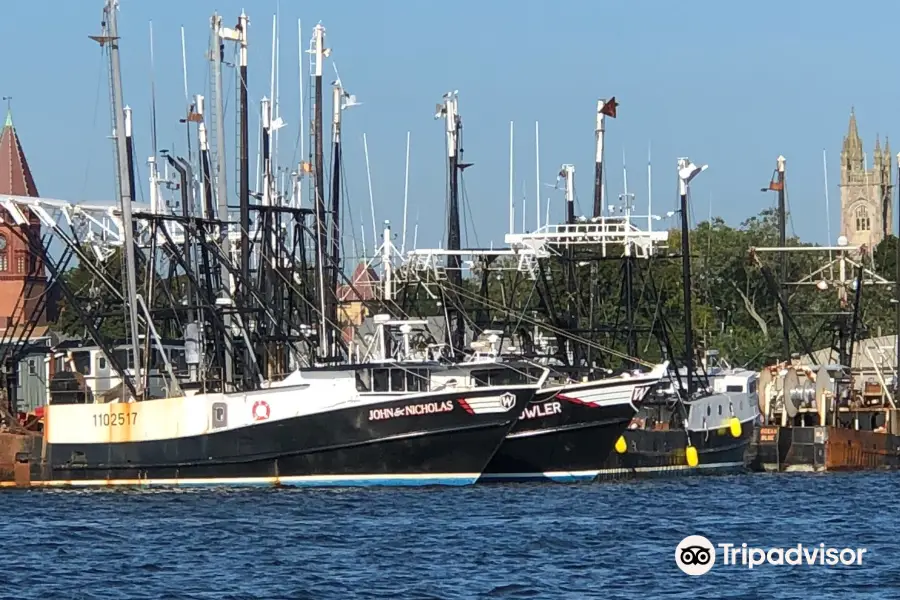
<point x="609" y="107"/>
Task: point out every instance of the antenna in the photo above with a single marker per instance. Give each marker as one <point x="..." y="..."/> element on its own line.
<point x="153" y="91"/>
<point x="512" y="208"/>
<point x="537" y="176"/>
<point x="268" y="107"/>
<point x="827" y="207"/>
<point x="276" y="105"/>
<point x="405" y="197"/>
<point x="371" y="197"/>
<point x="649" y="192"/>
<point x="302" y="114"/>
<point x="523" y="206"/>
<point x="187" y="99"/>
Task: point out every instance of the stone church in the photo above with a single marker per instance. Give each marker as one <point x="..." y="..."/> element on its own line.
<point x="866" y="207"/>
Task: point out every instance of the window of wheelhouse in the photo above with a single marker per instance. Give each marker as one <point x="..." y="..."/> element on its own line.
<point x="381" y="380"/>
<point x="482" y="378"/>
<point x="394" y="380"/>
<point x="505" y="376"/>
<point x="363" y="380"/>
<point x="417" y="380"/>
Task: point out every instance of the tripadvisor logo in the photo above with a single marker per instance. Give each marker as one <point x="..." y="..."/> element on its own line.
<point x="696" y="555"/>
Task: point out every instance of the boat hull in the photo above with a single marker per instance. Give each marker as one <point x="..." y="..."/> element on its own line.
<point x="662" y="453"/>
<point x="383" y="443"/>
<point x="567" y="436"/>
<point x="827" y="448"/>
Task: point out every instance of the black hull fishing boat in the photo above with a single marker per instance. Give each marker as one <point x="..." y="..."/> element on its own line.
<point x="710" y="435"/>
<point x="663" y="453"/>
<point x="290" y="436"/>
<point x="566" y="435"/>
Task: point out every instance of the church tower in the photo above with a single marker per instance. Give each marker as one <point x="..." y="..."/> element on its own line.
<point x="23" y="280"/>
<point x="866" y="208"/>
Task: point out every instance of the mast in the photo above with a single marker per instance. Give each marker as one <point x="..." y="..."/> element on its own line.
<point x="686" y="172"/>
<point x="207" y="209"/>
<point x="244" y="175"/>
<point x="782" y="242"/>
<point x="604" y="108"/>
<point x="126" y="185"/>
<point x="129" y="151"/>
<point x="320" y="53"/>
<point x="568" y="174"/>
<point x="336" y="98"/>
<point x="217" y="49"/>
<point x="244" y="149"/>
<point x="449" y="110"/>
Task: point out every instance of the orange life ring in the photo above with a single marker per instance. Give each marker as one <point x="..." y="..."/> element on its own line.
<point x="261" y="410"/>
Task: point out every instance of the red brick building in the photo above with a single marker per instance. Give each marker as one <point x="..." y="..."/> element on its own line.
<point x="23" y="280"/>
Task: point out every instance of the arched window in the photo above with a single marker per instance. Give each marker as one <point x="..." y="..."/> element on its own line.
<point x="863" y="223"/>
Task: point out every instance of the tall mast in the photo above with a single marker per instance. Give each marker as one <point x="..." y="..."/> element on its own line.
<point x="320" y="53"/>
<point x="686" y="172"/>
<point x="777" y="185"/>
<point x="206" y="210"/>
<point x="782" y="242"/>
<point x="239" y="35"/>
<point x="216" y="51"/>
<point x="244" y="150"/>
<point x="449" y="110"/>
<point x="126" y="185"/>
<point x="567" y="172"/>
<point x="604" y="108"/>
<point x="336" y="99"/>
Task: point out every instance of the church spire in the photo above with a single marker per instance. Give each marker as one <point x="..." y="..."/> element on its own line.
<point x="15" y="174"/>
<point x="852" y="143"/>
<point x="852" y="152"/>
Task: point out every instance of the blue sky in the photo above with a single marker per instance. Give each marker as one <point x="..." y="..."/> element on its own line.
<point x="726" y="83"/>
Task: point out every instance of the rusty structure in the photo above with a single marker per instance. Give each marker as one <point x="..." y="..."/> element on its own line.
<point x="816" y="416"/>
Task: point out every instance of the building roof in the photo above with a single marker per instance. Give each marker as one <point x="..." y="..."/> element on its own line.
<point x="870" y="354"/>
<point x="15" y="174"/>
<point x="363" y="285"/>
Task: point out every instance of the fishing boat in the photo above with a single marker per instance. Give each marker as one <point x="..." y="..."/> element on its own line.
<point x="696" y="425"/>
<point x="568" y="429"/>
<point x="378" y="424"/>
<point x="709" y="434"/>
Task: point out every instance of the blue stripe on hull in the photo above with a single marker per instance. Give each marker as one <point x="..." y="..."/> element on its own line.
<point x="323" y="481"/>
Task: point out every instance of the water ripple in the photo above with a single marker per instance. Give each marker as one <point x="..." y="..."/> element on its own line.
<point x="506" y="542"/>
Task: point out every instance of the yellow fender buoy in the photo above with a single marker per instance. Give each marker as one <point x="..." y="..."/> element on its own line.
<point x="621" y="445"/>
<point x="734" y="425"/>
<point x="690" y="453"/>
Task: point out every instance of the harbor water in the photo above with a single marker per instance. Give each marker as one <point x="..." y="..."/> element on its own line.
<point x="500" y="541"/>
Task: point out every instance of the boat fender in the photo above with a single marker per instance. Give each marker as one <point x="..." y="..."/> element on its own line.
<point x="734" y="424"/>
<point x="261" y="410"/>
<point x="690" y="454"/>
